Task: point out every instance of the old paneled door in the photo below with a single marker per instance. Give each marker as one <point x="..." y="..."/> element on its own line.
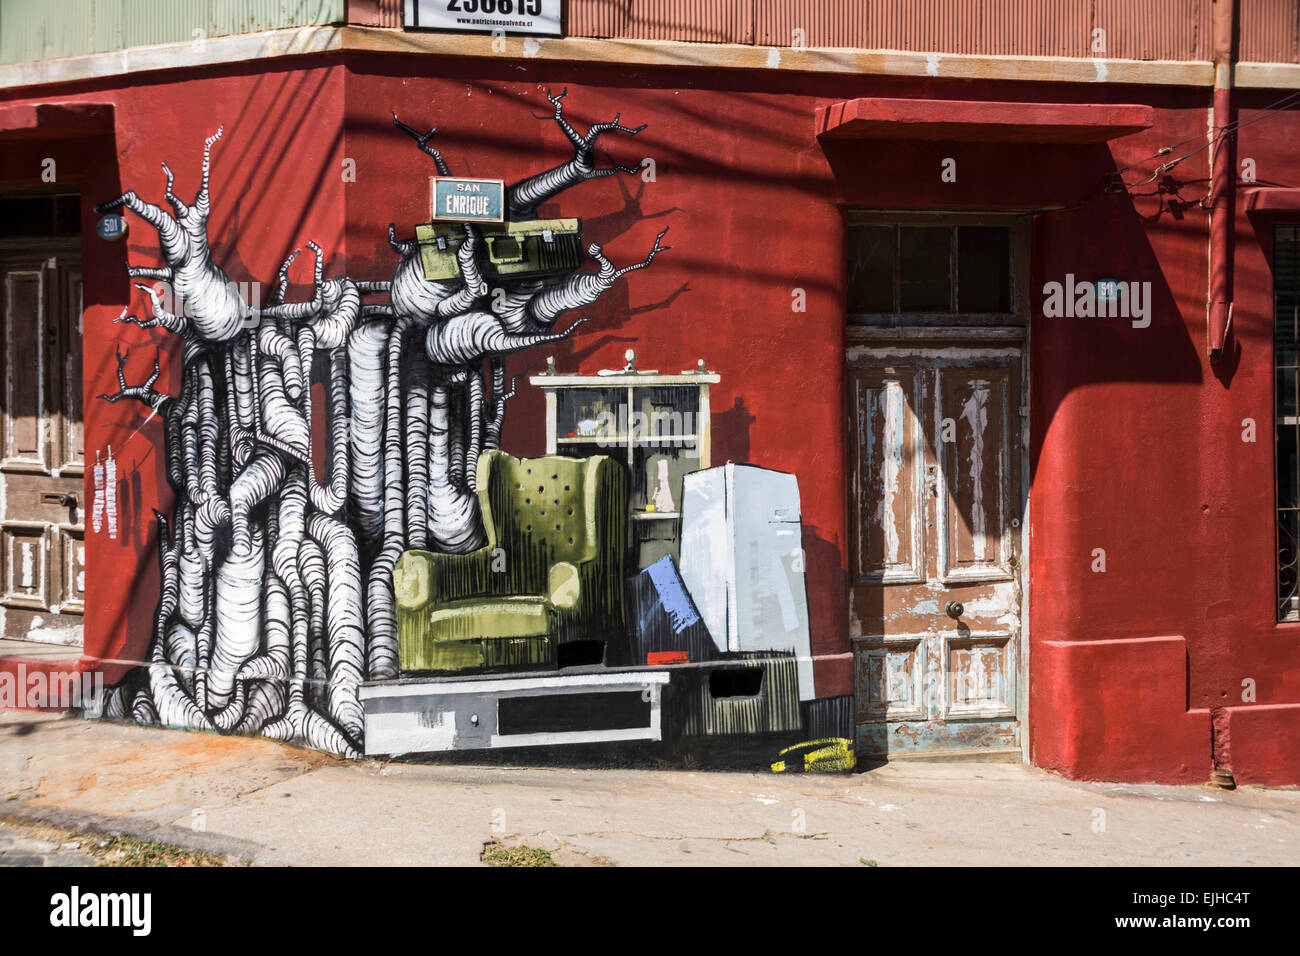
<point x="42" y="527"/>
<point x="935" y="540"/>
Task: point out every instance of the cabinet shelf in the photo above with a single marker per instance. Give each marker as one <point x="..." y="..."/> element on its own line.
<point x="658" y="425"/>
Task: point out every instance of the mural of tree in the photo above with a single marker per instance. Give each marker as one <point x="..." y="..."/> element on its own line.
<point x="276" y="588"/>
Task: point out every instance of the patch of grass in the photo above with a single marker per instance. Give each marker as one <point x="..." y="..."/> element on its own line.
<point x="865" y="862"/>
<point x="118" y="850"/>
<point x="498" y="854"/>
<point x="130" y="851"/>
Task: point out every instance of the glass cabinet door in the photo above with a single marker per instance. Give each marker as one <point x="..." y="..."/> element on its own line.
<point x="655" y="430"/>
<point x="664" y="449"/>
<point x="591" y="414"/>
<point x="667" y="414"/>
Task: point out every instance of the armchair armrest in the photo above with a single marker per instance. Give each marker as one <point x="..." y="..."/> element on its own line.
<point x="424" y="578"/>
<point x="564" y="585"/>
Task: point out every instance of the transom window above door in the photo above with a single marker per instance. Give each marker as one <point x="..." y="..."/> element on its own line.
<point x="935" y="270"/>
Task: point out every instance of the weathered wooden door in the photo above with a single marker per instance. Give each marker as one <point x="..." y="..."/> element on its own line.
<point x="42" y="461"/>
<point x="935" y="515"/>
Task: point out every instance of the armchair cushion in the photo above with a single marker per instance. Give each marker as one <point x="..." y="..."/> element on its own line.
<point x="487" y="619"/>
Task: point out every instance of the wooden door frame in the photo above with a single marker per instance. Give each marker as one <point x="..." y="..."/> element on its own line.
<point x="861" y="339"/>
<point x="42" y="248"/>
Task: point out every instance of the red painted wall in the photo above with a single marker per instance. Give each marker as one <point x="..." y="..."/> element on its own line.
<point x="273" y="186"/>
<point x="1136" y="437"/>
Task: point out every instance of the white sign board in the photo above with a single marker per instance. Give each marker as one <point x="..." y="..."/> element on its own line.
<point x="535" y="17"/>
<point x="467" y="200"/>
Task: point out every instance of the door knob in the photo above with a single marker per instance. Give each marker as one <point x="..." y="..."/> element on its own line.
<point x="63" y="500"/>
<point x="954" y="609"/>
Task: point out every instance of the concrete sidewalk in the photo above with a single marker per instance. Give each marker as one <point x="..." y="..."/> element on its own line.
<point x="275" y="804"/>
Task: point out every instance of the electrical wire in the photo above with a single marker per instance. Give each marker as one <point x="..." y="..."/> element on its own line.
<point x="1273" y="108"/>
<point x="1115" y="180"/>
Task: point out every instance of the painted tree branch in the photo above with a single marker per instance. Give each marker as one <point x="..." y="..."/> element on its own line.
<point x="141" y="393"/>
<point x="213" y="305"/>
<point x="523" y="197"/>
<point x="422" y="140"/>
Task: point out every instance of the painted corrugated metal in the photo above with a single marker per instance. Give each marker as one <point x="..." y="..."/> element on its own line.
<point x="1152" y="29"/>
<point x="34" y="30"/>
<point x="1164" y="30"/>
<point x="1270" y="31"/>
<point x="376" y="13"/>
<point x="699" y="21"/>
<point x="809" y="23"/>
<point x="1134" y="29"/>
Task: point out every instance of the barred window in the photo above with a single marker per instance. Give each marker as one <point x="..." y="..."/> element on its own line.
<point x="1286" y="357"/>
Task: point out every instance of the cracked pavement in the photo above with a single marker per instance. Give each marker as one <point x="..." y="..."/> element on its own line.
<point x="280" y="805"/>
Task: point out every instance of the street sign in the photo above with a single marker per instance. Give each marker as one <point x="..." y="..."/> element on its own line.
<point x="1106" y="290"/>
<point x="111" y="227"/>
<point x="532" y="17"/>
<point x="467" y="200"/>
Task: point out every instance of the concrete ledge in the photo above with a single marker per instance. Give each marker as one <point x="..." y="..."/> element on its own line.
<point x="313" y="40"/>
<point x="102" y="824"/>
<point x="1272" y="199"/>
<point x="982" y="121"/>
<point x="1117" y="710"/>
<point x="41" y="120"/>
<point x="1261" y="743"/>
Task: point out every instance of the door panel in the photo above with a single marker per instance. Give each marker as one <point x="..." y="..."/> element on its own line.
<point x="888" y="543"/>
<point x="973" y="417"/>
<point x="42" y="535"/>
<point x="935" y="512"/>
<point x="25" y="289"/>
<point x="71" y="450"/>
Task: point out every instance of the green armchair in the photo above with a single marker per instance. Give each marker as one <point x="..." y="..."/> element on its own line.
<point x="550" y="574"/>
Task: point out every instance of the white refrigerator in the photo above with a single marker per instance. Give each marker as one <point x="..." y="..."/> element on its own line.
<point x="742" y="561"/>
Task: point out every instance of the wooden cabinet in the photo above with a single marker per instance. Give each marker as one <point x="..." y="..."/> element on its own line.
<point x="658" y="423"/>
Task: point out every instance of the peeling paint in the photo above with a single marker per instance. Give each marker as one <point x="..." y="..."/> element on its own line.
<point x="927" y="681"/>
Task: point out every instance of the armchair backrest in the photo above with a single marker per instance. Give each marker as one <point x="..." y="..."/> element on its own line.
<point x="544" y="510"/>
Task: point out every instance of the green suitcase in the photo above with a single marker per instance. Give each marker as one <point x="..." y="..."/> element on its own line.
<point x="514" y="250"/>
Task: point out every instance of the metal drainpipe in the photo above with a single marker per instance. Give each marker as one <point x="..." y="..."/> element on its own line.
<point x="1223" y="180"/>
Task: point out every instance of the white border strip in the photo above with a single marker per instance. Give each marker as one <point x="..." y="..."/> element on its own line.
<point x="309" y="40"/>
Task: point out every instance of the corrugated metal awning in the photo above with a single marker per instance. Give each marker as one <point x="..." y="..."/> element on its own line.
<point x="980" y="120"/>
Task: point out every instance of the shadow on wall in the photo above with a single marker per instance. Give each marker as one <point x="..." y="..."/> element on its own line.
<point x="827" y="603"/>
<point x="1097" y="235"/>
<point x="731" y="431"/>
<point x="1109" y="237"/>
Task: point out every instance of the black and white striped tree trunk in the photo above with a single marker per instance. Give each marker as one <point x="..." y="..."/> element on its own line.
<point x="276" y="597"/>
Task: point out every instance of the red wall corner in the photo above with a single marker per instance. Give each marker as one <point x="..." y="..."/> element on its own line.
<point x="1117" y="710"/>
